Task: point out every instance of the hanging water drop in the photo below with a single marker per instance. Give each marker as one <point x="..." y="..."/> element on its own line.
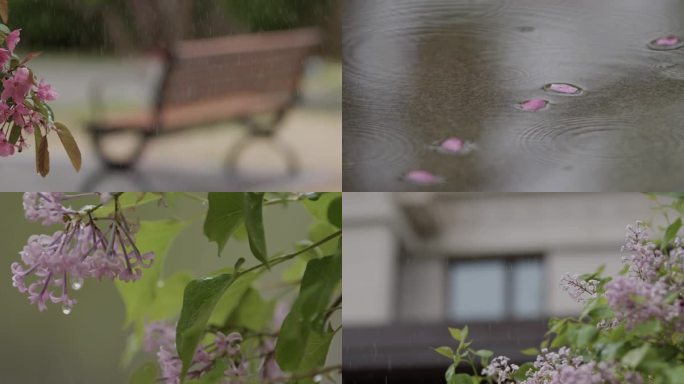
<point x="66" y="309"/>
<point x="76" y="283"/>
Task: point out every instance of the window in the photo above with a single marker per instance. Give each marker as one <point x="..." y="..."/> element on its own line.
<point x="495" y="289"/>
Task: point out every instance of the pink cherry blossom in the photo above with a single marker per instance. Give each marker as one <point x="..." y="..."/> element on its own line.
<point x="18" y="86"/>
<point x="567" y="89"/>
<point x="533" y="105"/>
<point x="6" y="148"/>
<point x="452" y="144"/>
<point x="422" y="177"/>
<point x="669" y="40"/>
<point x="45" y="92"/>
<point x="13" y="39"/>
<point x="5" y="57"/>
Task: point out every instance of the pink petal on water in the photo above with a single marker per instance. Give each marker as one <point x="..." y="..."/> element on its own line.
<point x="668" y="41"/>
<point x="421" y="177"/>
<point x="452" y="144"/>
<point x="563" y="88"/>
<point x="533" y="105"/>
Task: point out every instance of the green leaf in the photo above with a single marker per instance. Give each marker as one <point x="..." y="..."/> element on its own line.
<point x="70" y="145"/>
<point x="485" y="355"/>
<point x="15" y="133"/>
<point x="586" y="335"/>
<point x="633" y="358"/>
<point x="153" y="236"/>
<point x="456" y="334"/>
<point x="675" y="375"/>
<point x="168" y="299"/>
<point x="521" y="373"/>
<point x="215" y="375"/>
<point x="530" y="351"/>
<point x="199" y="299"/>
<point x="145" y="374"/>
<point x="461" y="378"/>
<point x="451" y="371"/>
<point x="304" y="337"/>
<point x="231" y="299"/>
<point x="649" y="328"/>
<point x="321" y="230"/>
<point x="224" y="216"/>
<point x="253" y="313"/>
<point x="128" y="200"/>
<point x="319" y="208"/>
<point x="446" y="352"/>
<point x="295" y="271"/>
<point x="335" y="212"/>
<point x="671" y="232"/>
<point x="254" y="223"/>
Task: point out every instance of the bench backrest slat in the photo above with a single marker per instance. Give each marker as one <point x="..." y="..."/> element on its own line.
<point x="265" y="63"/>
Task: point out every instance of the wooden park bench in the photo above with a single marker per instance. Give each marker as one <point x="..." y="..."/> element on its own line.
<point x="252" y="79"/>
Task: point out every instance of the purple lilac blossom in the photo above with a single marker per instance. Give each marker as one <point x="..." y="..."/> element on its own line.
<point x="53" y="265"/>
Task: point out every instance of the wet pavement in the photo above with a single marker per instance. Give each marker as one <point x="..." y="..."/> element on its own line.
<point x="552" y="95"/>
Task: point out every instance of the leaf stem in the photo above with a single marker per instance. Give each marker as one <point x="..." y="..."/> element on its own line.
<point x="281" y="259"/>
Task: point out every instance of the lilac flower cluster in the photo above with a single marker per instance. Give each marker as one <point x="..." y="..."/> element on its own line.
<point x="562" y="367"/>
<point x="500" y="370"/>
<point x="651" y="290"/>
<point x="54" y="265"/>
<point x="160" y="338"/>
<point x="578" y="289"/>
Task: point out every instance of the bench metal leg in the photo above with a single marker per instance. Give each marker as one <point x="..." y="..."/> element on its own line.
<point x="268" y="132"/>
<point x="120" y="164"/>
<point x="291" y="159"/>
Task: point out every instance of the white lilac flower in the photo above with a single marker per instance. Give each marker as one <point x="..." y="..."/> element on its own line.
<point x="500" y="370"/>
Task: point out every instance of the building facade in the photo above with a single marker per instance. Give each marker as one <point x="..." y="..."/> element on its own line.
<point x="424" y="261"/>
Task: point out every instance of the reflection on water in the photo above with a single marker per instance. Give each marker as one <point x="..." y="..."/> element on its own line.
<point x="420" y="71"/>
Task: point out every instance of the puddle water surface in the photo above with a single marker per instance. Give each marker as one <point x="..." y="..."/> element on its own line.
<point x="418" y="72"/>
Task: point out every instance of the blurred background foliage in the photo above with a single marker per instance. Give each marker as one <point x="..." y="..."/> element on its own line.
<point x="129" y="25"/>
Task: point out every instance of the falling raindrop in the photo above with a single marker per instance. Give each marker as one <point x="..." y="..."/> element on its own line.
<point x="66" y="309"/>
<point x="532" y="105"/>
<point x="76" y="283"/>
<point x="563" y="89"/>
<point x="422" y="177"/>
<point x="666" y="43"/>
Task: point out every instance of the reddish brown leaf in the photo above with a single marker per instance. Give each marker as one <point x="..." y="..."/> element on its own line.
<point x="43" y="157"/>
<point x="30" y="56"/>
<point x="4" y="10"/>
<point x="70" y="145"/>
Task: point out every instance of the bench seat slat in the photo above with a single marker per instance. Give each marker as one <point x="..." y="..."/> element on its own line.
<point x="196" y="114"/>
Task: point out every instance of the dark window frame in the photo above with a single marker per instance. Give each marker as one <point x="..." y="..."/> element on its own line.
<point x="509" y="262"/>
